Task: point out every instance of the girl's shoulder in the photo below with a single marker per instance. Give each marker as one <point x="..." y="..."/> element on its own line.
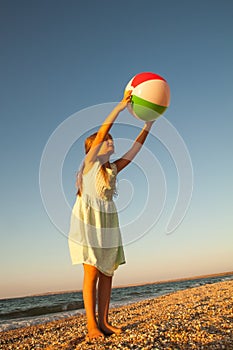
<point x="91" y="167"/>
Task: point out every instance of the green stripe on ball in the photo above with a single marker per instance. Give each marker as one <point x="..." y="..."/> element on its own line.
<point x="146" y="110"/>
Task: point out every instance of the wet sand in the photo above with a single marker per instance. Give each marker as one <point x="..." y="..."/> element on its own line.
<point x="196" y="318"/>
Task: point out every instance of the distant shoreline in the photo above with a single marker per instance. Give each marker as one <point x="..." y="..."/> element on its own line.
<point x="128" y="285"/>
<point x="177" y="279"/>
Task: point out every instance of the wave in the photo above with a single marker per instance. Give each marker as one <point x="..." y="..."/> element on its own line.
<point x="32" y="321"/>
<point x="42" y="310"/>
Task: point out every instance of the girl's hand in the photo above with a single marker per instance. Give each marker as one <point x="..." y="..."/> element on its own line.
<point x="149" y="124"/>
<point x="126" y="100"/>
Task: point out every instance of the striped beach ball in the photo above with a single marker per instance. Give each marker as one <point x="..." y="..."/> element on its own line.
<point x="150" y="96"/>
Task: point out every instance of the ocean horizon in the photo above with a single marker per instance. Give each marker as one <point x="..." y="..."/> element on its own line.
<point x="136" y="284"/>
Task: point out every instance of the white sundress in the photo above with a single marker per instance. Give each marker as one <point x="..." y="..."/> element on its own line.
<point x="94" y="236"/>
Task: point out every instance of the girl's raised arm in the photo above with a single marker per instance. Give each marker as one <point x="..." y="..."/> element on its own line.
<point x="122" y="162"/>
<point x="105" y="127"/>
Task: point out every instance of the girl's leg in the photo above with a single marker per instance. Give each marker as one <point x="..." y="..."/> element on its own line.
<point x="104" y="294"/>
<point x="89" y="295"/>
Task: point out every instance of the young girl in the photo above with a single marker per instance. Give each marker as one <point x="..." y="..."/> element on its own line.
<point x="95" y="238"/>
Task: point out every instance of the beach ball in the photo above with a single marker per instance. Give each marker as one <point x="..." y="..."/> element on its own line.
<point x="150" y="96"/>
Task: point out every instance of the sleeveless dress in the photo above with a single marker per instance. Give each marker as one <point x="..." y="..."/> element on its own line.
<point x="94" y="236"/>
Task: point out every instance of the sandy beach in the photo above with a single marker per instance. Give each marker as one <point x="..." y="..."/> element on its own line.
<point x="196" y="318"/>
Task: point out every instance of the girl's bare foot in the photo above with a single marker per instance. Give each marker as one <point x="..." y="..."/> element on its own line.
<point x="108" y="329"/>
<point x="94" y="333"/>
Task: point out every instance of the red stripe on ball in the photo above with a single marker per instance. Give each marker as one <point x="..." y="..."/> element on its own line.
<point x="141" y="77"/>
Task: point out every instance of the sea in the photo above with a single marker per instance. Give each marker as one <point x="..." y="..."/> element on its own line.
<point x="39" y="309"/>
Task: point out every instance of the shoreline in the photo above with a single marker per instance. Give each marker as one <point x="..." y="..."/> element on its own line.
<point x="126" y="285"/>
<point x="181" y="279"/>
<point x="195" y="318"/>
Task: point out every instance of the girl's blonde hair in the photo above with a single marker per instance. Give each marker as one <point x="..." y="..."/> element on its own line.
<point x="87" y="145"/>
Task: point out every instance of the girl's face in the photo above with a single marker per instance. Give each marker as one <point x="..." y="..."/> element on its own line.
<point x="107" y="147"/>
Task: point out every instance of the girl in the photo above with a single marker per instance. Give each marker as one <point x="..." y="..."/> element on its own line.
<point x="94" y="238"/>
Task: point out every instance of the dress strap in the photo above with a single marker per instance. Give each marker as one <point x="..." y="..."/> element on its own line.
<point x="113" y="167"/>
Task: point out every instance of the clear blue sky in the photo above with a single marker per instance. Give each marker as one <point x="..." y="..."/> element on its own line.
<point x="59" y="57"/>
